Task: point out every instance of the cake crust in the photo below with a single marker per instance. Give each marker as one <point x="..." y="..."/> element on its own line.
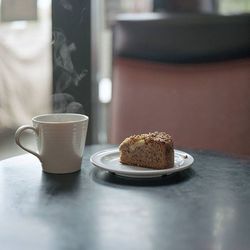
<point x="152" y="150"/>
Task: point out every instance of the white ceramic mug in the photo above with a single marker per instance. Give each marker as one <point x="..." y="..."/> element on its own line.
<point x="60" y="141"/>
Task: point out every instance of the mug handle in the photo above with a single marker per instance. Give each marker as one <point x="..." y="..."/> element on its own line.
<point x="18" y="134"/>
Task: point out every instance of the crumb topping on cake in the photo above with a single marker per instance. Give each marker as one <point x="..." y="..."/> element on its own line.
<point x="158" y="137"/>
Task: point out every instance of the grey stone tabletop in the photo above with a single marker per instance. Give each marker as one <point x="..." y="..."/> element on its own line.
<point x="204" y="207"/>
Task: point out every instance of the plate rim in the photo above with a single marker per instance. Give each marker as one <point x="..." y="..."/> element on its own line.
<point x="137" y="173"/>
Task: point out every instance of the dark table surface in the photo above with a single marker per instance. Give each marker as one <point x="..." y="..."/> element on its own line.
<point x="205" y="207"/>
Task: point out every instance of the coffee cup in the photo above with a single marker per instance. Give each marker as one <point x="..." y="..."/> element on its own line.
<point x="60" y="141"/>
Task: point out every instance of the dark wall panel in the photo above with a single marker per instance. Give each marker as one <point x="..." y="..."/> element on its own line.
<point x="71" y="57"/>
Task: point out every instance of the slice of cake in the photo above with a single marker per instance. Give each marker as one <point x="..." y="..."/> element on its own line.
<point x="152" y="150"/>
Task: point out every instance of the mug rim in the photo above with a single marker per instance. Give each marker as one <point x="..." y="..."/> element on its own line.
<point x="36" y="118"/>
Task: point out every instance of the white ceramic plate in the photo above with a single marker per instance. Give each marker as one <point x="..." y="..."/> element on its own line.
<point x="109" y="160"/>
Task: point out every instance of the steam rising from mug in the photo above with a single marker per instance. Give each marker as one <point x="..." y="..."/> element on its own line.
<point x="65" y="103"/>
<point x="66" y="5"/>
<point x="66" y="74"/>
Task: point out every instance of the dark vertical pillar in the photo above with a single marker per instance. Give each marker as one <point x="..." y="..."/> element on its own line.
<point x="71" y="58"/>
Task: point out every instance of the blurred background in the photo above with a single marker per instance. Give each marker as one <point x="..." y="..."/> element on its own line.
<point x="79" y="56"/>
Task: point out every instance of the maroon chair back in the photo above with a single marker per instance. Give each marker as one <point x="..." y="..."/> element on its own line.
<point x="203" y="106"/>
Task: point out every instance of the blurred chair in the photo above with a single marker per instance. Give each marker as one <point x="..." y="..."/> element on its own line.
<point x="188" y="75"/>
